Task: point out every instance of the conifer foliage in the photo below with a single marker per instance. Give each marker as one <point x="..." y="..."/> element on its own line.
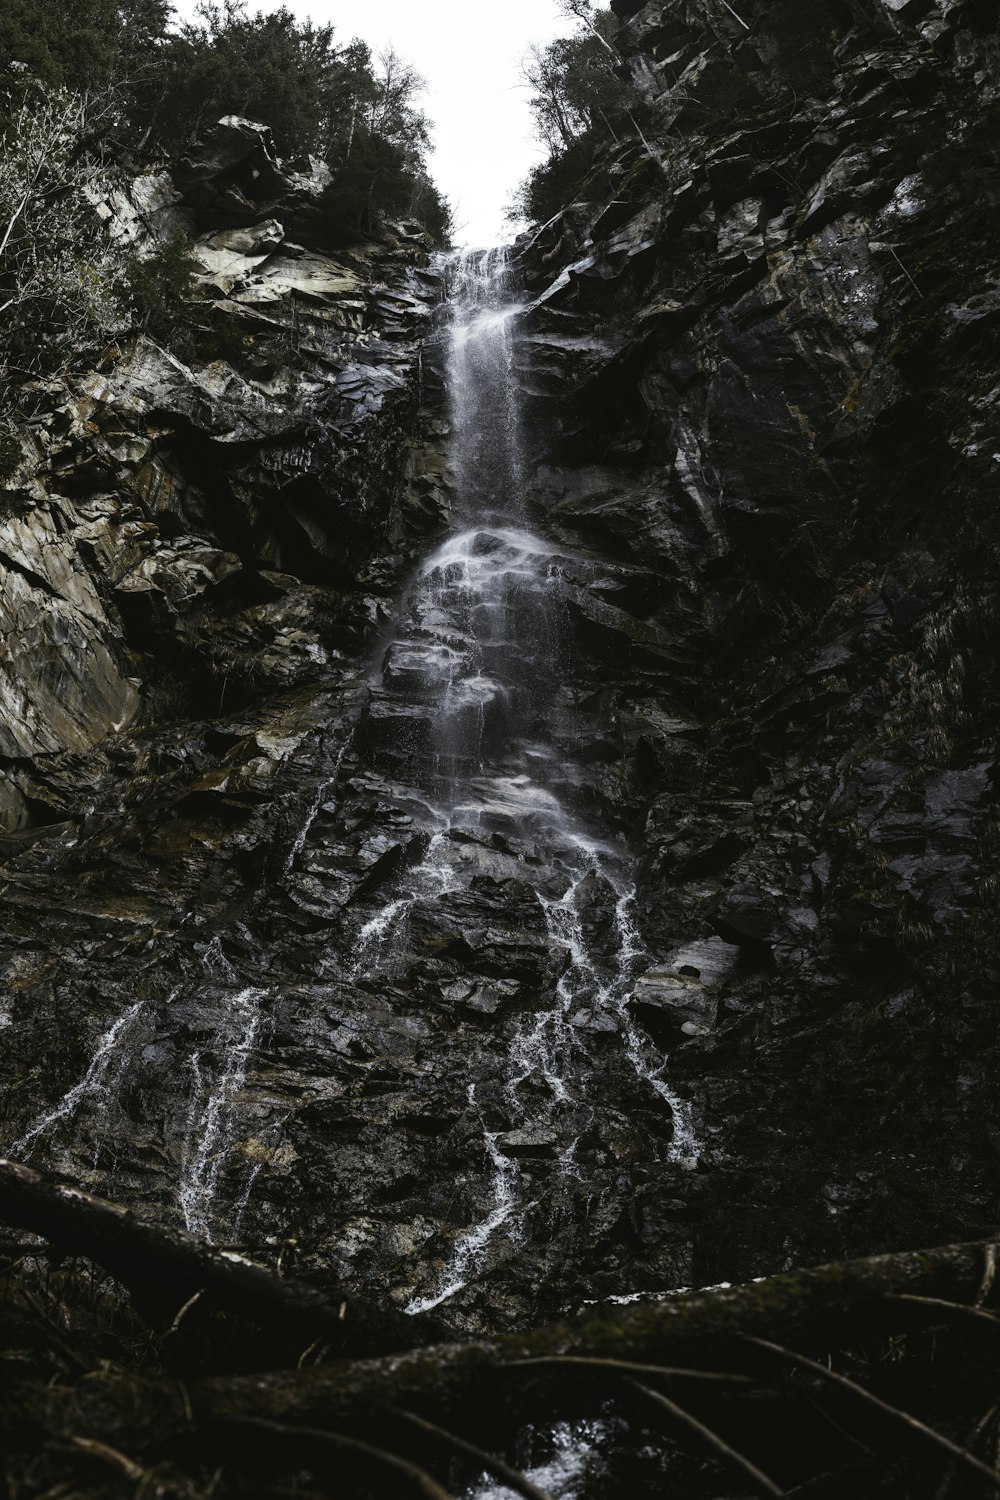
<point x="581" y="99"/>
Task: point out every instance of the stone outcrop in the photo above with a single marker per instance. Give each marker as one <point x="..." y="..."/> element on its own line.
<point x="183" y="532"/>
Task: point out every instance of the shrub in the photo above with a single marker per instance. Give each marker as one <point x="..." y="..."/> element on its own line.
<point x="62" y="277"/>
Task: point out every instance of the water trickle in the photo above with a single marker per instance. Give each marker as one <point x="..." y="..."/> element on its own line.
<point x="321" y="795"/>
<point x="574" y="1450"/>
<point x="93" y="1083"/>
<point x="469" y="1249"/>
<point x="213" y="1109"/>
<point x="684" y="1143"/>
<point x="375" y="936"/>
<point x="215" y="960"/>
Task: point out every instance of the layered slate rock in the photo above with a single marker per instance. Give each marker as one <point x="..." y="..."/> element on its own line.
<point x="764" y="335"/>
<point x="198" y="554"/>
<point x="187" y="530"/>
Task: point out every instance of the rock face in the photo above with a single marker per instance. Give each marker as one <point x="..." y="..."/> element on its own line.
<point x="216" y="516"/>
<point x="773" y="318"/>
<point x="739" y="837"/>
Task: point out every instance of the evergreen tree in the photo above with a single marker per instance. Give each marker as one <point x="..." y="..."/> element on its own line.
<point x="87" y="86"/>
<point x="107" y="52"/>
<point x="580" y="101"/>
<point x="268" y="67"/>
<point x="317" y="97"/>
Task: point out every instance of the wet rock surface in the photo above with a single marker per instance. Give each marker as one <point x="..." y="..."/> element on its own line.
<point x="781" y="424"/>
<point x="276" y="993"/>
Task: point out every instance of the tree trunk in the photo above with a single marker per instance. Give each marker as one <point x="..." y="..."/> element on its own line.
<point x="707" y="1347"/>
<point x="824" y="1305"/>
<point x="164" y="1268"/>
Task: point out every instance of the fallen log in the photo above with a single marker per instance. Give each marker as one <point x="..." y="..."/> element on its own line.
<point x="484" y="1392"/>
<point x="819" y="1306"/>
<point x="169" y="1271"/>
<point x="695" y="1339"/>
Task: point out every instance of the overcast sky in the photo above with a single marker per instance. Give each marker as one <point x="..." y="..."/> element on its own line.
<point x="470" y="55"/>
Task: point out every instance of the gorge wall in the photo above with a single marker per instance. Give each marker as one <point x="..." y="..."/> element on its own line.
<point x="775" y="315"/>
<point x="728" y="463"/>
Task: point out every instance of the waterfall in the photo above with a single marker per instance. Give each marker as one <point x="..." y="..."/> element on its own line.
<point x="469" y="699"/>
<point x="213" y="1110"/>
<point x="572" y="1457"/>
<point x="463" y="853"/>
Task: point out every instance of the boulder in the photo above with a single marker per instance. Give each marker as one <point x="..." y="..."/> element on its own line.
<point x="686" y="986"/>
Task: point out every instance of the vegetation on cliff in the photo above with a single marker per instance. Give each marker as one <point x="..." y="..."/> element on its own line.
<point x="582" y="102"/>
<point x="762" y="362"/>
<point x="92" y="93"/>
<point x="62" y="275"/>
<point x="148" y="85"/>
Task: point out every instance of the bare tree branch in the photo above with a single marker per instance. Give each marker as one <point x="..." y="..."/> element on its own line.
<point x="414" y="1479"/>
<point x="897" y="1418"/>
<point x="710" y="1438"/>
<point x="512" y="1478"/>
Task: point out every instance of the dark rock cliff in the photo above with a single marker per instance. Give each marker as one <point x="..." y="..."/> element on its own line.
<point x="195" y="558"/>
<point x="776" y="317"/>
<point x="759" y="360"/>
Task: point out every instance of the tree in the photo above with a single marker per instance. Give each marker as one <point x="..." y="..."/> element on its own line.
<point x="88" y="46"/>
<point x="580" y="101"/>
<point x="575" y="85"/>
<point x="268" y="67"/>
<point x="316" y="97"/>
<point x="348" y="95"/>
<point x="583" y="11"/>
<point x="102" y="50"/>
<point x="372" y="180"/>
<point x="380" y="165"/>
<point x="393" y="114"/>
<point x="290" y="74"/>
<point x="146" y="90"/>
<point x="378" y="179"/>
<point x="61" y="274"/>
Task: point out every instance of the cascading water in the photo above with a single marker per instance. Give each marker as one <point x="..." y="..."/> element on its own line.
<point x="468" y="934"/>
<point x="572" y="1457"/>
<point x="213" y="1103"/>
<point x="92" y="1085"/>
<point x="468" y="691"/>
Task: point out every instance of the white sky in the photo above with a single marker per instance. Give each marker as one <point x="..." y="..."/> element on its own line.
<point x="470" y="55"/>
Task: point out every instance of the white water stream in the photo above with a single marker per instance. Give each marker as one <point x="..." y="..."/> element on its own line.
<point x="214" y="1108"/>
<point x="321" y="795"/>
<point x="92" y="1085"/>
<point x="479" y="646"/>
<point x="478" y="651"/>
<point x="575" y="1449"/>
